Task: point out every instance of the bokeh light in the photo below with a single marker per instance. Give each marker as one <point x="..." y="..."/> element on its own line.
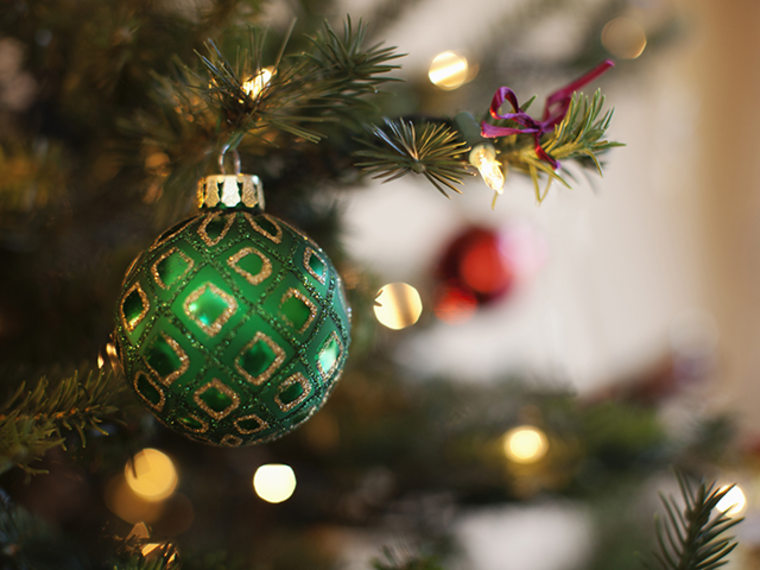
<point x="525" y="444"/>
<point x="274" y="482"/>
<point x="123" y="502"/>
<point x="624" y="38"/>
<point x="734" y="502"/>
<point x="151" y="475"/>
<point x="449" y="70"/>
<point x="397" y="305"/>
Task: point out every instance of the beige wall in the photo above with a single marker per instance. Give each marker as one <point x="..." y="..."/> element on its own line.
<point x="726" y="74"/>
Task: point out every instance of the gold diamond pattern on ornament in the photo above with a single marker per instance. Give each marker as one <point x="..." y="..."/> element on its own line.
<point x="214" y="228"/>
<point x="292" y="392"/>
<point x="231" y="440"/>
<point x="134" y="307"/>
<point x="259" y="359"/>
<point x="251" y="264"/>
<point x="267" y="226"/>
<point x="171" y="267"/>
<point x="210" y="308"/>
<point x="297" y="310"/>
<point x="149" y="391"/>
<point x="166" y="359"/>
<point x="315" y="265"/>
<point x="329" y="356"/>
<point x="216" y="399"/>
<point x="252" y="423"/>
<point x="193" y="423"/>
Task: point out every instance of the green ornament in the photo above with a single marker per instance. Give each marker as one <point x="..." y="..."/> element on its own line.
<point x="232" y="326"/>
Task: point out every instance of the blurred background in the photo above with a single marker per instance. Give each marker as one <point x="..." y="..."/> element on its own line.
<point x="522" y="419"/>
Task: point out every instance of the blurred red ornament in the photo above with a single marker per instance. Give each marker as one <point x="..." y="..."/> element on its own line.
<point x="475" y="270"/>
<point x="483" y="265"/>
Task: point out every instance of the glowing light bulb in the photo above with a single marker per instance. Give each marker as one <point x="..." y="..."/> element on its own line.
<point x="525" y="444"/>
<point x="734" y="502"/>
<point x="253" y="86"/>
<point x="274" y="482"/>
<point x="151" y="475"/>
<point x="397" y="305"/>
<point x="483" y="157"/>
<point x="449" y="70"/>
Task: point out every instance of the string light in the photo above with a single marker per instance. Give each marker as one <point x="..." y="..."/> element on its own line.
<point x="151" y="475"/>
<point x="734" y="502"/>
<point x="449" y="70"/>
<point x="253" y="86"/>
<point x="397" y="305"/>
<point x="274" y="482"/>
<point x="483" y="157"/>
<point x="525" y="444"/>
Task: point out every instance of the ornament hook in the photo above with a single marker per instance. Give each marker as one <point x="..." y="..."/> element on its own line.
<point x="235" y="158"/>
<point x="230" y="190"/>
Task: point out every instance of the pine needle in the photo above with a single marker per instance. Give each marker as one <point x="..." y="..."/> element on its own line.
<point x="431" y="149"/>
<point x="691" y="536"/>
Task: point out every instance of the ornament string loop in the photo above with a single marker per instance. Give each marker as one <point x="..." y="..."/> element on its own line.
<point x="555" y="109"/>
<point x="235" y="159"/>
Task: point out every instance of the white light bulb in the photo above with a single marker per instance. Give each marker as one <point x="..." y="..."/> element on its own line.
<point x="256" y="84"/>
<point x="483" y="157"/>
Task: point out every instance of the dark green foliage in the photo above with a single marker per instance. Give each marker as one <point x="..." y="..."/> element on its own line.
<point x="35" y="420"/>
<point x="28" y="543"/>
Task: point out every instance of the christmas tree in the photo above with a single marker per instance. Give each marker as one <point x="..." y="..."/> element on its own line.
<point x="153" y="376"/>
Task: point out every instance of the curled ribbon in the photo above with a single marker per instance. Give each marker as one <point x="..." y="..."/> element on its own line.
<point x="555" y="109"/>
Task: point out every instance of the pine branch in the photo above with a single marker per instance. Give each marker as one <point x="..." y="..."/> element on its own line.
<point x="327" y="83"/>
<point x="322" y="84"/>
<point x="581" y="133"/>
<point x="34" y="421"/>
<point x="433" y="150"/>
<point x="580" y="136"/>
<point x="692" y="535"/>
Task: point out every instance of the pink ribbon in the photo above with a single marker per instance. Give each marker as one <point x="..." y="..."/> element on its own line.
<point x="555" y="109"/>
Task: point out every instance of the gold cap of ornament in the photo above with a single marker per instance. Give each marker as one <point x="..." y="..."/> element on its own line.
<point x="230" y="190"/>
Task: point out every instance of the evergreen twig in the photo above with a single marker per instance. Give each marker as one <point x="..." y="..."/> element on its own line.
<point x="692" y="536"/>
<point x="318" y="85"/>
<point x="433" y="150"/>
<point x="580" y="136"/>
<point x="35" y="420"/>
